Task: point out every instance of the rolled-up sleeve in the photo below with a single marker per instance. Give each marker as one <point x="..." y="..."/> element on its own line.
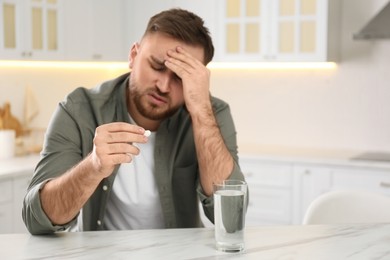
<point x="61" y="152"/>
<point x="34" y="216"/>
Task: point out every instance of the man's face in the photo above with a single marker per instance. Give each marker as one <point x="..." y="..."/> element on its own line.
<point x="155" y="91"/>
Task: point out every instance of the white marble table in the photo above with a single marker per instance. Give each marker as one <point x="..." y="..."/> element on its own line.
<point x="368" y="241"/>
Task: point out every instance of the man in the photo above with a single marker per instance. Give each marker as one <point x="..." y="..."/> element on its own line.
<point x="99" y="171"/>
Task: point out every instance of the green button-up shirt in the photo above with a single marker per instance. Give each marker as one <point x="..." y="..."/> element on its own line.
<point x="69" y="139"/>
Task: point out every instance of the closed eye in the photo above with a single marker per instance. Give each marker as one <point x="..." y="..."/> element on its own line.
<point x="157" y="64"/>
<point x="158" y="68"/>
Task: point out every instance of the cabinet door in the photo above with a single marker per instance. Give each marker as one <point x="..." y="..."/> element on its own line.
<point x="10" y="29"/>
<point x="6" y="210"/>
<point x="6" y="218"/>
<point x="43" y="30"/>
<point x="77" y="33"/>
<point x="299" y="29"/>
<point x="278" y="30"/>
<point x="107" y="37"/>
<point x="20" y="185"/>
<point x="242" y="30"/>
<point x="310" y="181"/>
<point x="94" y="30"/>
<point x="32" y="29"/>
<point x="369" y="179"/>
<point x="270" y="195"/>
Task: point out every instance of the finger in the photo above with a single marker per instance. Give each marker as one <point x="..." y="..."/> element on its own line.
<point x="186" y="56"/>
<point x="117" y="159"/>
<point x="122" y="148"/>
<point x="122" y="153"/>
<point x="183" y="60"/>
<point x="177" y="68"/>
<point x="125" y="137"/>
<point x="120" y="127"/>
<point x="102" y="135"/>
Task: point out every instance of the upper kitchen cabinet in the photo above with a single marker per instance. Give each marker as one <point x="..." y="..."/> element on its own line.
<point x="94" y="30"/>
<point x="278" y="30"/>
<point x="31" y="29"/>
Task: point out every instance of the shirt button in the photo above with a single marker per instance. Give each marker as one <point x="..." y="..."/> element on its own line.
<point x="105" y="187"/>
<point x="99" y="222"/>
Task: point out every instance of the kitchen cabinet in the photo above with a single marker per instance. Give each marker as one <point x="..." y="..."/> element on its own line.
<point x="20" y="185"/>
<point x="13" y="191"/>
<point x="362" y="178"/>
<point x="107" y="41"/>
<point x="90" y="30"/>
<point x="99" y="30"/>
<point x="6" y="214"/>
<point x="31" y="29"/>
<point x="278" y="30"/>
<point x="270" y="191"/>
<point x="15" y="176"/>
<point x="310" y="181"/>
<point x="281" y="189"/>
<point x="270" y="185"/>
<point x="94" y="30"/>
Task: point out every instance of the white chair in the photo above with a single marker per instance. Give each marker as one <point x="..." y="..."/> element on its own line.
<point x="348" y="206"/>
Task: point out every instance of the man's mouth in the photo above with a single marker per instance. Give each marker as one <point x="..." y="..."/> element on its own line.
<point x="157" y="99"/>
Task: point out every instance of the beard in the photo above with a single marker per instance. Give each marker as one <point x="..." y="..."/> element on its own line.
<point x="148" y="109"/>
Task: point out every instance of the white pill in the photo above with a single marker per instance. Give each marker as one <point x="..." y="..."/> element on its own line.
<point x="147" y="133"/>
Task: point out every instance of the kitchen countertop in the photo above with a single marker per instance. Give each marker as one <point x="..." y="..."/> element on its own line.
<point x="365" y="241"/>
<point x="317" y="156"/>
<point x="18" y="165"/>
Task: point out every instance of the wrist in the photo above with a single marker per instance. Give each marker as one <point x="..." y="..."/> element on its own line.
<point x="201" y="111"/>
<point x="93" y="173"/>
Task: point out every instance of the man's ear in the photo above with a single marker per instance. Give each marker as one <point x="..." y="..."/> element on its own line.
<point x="133" y="53"/>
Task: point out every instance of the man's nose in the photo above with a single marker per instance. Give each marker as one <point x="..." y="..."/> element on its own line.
<point x="164" y="83"/>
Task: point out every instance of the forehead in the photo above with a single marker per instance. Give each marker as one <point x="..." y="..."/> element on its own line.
<point x="157" y="45"/>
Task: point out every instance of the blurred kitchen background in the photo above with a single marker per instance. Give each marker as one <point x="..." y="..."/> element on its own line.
<point x="345" y="108"/>
<point x="297" y="80"/>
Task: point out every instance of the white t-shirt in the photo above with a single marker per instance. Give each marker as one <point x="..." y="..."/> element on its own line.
<point x="134" y="202"/>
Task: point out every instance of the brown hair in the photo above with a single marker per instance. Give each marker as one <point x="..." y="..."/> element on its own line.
<point x="184" y="26"/>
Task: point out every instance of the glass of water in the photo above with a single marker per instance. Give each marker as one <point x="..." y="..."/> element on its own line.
<point x="229" y="215"/>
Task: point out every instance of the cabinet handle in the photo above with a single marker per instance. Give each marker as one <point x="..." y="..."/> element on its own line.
<point x="97" y="56"/>
<point x="27" y="54"/>
<point x="384" y="184"/>
<point x="248" y="174"/>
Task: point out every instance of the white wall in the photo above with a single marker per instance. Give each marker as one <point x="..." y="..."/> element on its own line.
<point x="346" y="109"/>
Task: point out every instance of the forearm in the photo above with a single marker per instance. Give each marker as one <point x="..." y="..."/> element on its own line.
<point x="63" y="197"/>
<point x="214" y="158"/>
<point x="215" y="161"/>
